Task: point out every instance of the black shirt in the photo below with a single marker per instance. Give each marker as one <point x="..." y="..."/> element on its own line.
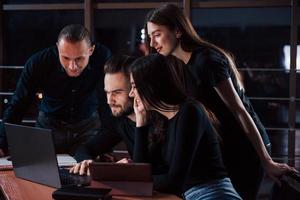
<point x="207" y="68"/>
<point x="120" y="129"/>
<point x="189" y="155"/>
<point x="70" y="99"/>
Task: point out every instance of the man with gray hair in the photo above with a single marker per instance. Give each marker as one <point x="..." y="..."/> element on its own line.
<point x="70" y="77"/>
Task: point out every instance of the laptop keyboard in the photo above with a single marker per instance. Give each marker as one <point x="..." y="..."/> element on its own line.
<point x="67" y="178"/>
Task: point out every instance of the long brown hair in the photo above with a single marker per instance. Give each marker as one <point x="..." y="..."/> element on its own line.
<point x="173" y="18"/>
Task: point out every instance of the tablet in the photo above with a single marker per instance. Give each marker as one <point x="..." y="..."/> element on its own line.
<point x="103" y="171"/>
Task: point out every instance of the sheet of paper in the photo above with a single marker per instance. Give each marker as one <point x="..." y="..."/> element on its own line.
<point x="65" y="160"/>
<point x="4" y="161"/>
<point x="62" y="159"/>
<point x="5" y="164"/>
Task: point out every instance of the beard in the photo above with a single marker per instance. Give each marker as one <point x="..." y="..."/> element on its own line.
<point x="124" y="111"/>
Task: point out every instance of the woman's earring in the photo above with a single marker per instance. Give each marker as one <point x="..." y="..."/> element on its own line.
<point x="178" y="34"/>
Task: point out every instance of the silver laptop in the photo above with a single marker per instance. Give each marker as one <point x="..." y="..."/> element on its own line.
<point x="33" y="157"/>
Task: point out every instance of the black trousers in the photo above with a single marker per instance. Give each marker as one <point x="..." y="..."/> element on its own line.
<point x="67" y="136"/>
<point x="245" y="171"/>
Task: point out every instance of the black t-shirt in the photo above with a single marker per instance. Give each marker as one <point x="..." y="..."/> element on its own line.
<point x="207" y="68"/>
<point x="189" y="155"/>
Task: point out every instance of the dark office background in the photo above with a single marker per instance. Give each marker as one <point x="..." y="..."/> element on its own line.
<point x="255" y="35"/>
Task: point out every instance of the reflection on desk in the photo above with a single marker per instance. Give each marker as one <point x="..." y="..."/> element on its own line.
<point x="19" y="189"/>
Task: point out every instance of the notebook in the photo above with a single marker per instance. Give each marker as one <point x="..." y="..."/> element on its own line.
<point x="33" y="157"/>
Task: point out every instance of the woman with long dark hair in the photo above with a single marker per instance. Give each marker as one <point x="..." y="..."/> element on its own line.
<point x="185" y="157"/>
<point x="215" y="81"/>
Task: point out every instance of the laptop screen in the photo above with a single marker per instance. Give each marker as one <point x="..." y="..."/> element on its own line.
<point x="33" y="154"/>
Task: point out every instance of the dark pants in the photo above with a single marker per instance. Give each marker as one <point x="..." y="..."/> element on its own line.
<point x="246" y="173"/>
<point x="67" y="137"/>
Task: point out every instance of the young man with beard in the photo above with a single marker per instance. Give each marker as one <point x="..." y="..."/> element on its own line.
<point x="122" y="125"/>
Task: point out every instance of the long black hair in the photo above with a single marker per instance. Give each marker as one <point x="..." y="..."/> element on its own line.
<point x="158" y="82"/>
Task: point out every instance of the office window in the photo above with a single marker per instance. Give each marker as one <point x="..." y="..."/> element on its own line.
<point x="279" y="152"/>
<point x="27" y="32"/>
<point x="298" y="66"/>
<point x="121" y="29"/>
<point x="297" y="134"/>
<point x="31" y="111"/>
<point x="11" y="81"/>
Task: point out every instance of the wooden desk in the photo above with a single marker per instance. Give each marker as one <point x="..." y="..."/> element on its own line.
<point x="19" y="189"/>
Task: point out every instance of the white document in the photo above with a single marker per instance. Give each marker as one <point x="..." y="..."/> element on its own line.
<point x="65" y="160"/>
<point x="62" y="159"/>
<point x="4" y="161"/>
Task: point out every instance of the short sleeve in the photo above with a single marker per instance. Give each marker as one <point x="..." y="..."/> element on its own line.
<point x="218" y="69"/>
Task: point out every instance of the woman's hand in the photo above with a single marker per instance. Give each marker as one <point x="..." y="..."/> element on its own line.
<point x="125" y="160"/>
<point x="81" y="168"/>
<point x="275" y="170"/>
<point x="140" y="113"/>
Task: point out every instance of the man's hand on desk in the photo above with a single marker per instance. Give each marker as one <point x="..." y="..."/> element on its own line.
<point x="81" y="168"/>
<point x="2" y="154"/>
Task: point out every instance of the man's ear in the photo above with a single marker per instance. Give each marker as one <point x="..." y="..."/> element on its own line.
<point x="92" y="48"/>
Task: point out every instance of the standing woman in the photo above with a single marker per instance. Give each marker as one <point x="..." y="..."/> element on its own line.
<point x="185" y="158"/>
<point x="214" y="80"/>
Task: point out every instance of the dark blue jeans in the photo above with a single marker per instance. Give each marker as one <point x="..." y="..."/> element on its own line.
<point x="67" y="137"/>
<point x="217" y="189"/>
